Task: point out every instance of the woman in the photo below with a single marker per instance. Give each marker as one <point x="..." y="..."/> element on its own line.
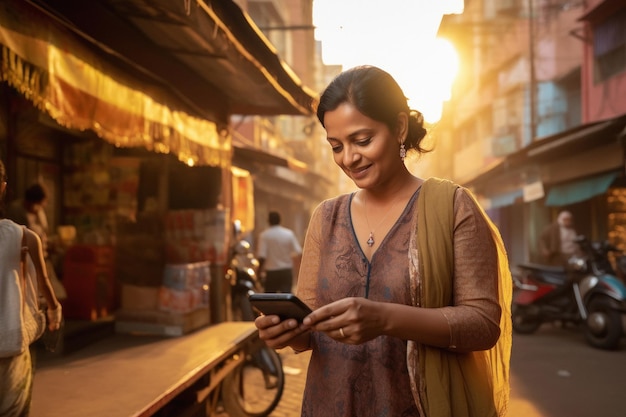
<point x="407" y="278"/>
<point x="16" y="372"/>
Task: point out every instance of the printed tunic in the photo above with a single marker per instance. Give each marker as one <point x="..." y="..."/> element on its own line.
<point x="371" y="379"/>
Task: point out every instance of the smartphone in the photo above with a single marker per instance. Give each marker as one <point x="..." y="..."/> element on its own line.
<point x="284" y="305"/>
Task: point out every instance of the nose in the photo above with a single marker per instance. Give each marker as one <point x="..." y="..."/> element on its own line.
<point x="350" y="156"/>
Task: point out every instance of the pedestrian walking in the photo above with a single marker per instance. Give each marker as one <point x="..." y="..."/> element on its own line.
<point x="278" y="250"/>
<point x="407" y="277"/>
<point x="17" y="245"/>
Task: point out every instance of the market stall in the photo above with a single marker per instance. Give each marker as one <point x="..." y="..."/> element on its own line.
<point x="141" y="376"/>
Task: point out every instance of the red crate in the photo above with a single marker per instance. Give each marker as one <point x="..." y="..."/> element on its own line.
<point x="89" y="279"/>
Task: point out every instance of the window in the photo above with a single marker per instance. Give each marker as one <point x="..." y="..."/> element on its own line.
<point x="609" y="47"/>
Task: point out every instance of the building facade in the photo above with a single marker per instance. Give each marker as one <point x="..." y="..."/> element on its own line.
<point x="535" y="120"/>
<point x="294" y="189"/>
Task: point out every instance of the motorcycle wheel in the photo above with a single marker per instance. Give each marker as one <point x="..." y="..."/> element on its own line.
<point x="524" y="320"/>
<point x="251" y="390"/>
<point x="603" y="327"/>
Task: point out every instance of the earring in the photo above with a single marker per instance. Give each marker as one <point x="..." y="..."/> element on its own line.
<point x="402" y="152"/>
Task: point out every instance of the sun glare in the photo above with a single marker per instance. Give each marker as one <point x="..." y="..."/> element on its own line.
<point x="400" y="37"/>
<point x="428" y="94"/>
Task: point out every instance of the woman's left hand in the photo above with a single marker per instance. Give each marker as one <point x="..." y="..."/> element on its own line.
<point x="349" y="320"/>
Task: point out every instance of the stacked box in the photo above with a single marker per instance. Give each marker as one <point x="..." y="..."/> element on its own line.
<point x="166" y="269"/>
<point x="195" y="235"/>
<point x="185" y="287"/>
<point x="182" y="251"/>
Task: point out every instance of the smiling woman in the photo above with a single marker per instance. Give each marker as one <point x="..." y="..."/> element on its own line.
<point x="402" y="268"/>
<point x="401" y="38"/>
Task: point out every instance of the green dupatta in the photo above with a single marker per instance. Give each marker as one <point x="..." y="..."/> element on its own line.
<point x="444" y="383"/>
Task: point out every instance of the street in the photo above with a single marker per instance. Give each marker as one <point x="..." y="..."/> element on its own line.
<point x="554" y="373"/>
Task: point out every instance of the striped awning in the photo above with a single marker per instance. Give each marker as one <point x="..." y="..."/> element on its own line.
<point x="79" y="90"/>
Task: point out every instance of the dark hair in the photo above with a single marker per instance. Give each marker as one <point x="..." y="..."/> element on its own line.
<point x="274" y="218"/>
<point x="35" y="193"/>
<point x="378" y="96"/>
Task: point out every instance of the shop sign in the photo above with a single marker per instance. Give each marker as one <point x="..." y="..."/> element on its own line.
<point x="533" y="191"/>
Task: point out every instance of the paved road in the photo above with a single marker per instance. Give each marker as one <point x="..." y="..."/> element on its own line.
<point x="554" y="373"/>
<point x="295" y="375"/>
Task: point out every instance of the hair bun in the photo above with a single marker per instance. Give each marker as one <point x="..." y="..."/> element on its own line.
<point x="416" y="127"/>
<point x="418" y="116"/>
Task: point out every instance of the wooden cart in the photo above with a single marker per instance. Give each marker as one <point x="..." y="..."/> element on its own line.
<point x="130" y="375"/>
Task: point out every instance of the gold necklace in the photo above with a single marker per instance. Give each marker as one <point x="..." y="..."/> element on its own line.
<point x="370" y="240"/>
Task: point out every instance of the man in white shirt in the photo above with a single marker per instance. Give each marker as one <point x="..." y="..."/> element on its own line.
<point x="277" y="250"/>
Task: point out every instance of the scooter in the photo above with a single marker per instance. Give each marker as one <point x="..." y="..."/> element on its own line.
<point x="262" y="366"/>
<point x="243" y="280"/>
<point x="586" y="293"/>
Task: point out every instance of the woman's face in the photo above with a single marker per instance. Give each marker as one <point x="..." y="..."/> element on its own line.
<point x="365" y="149"/>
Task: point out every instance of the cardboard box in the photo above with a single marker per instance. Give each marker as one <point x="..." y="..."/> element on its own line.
<point x="136" y="297"/>
<point x="185" y="301"/>
<point x="187" y="276"/>
<point x="140" y="260"/>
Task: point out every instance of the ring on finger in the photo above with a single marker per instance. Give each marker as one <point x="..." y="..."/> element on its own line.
<point x="342" y="333"/>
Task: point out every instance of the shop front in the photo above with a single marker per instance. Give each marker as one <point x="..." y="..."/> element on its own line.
<point x="581" y="170"/>
<point x="136" y="160"/>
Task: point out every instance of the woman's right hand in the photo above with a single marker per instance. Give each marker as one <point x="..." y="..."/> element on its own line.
<point x="278" y="334"/>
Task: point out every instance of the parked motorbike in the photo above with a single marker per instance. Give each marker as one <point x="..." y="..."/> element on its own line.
<point x="586" y="293"/>
<point x="262" y="367"/>
<point x="243" y="279"/>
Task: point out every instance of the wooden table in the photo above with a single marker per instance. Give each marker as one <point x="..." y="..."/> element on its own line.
<point x="129" y="375"/>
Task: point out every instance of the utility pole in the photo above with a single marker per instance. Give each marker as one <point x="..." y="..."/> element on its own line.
<point x="533" y="78"/>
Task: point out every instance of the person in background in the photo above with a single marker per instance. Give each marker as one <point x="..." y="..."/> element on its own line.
<point x="16" y="372"/>
<point x="408" y="278"/>
<point x="278" y="248"/>
<point x="557" y="242"/>
<point x="30" y="211"/>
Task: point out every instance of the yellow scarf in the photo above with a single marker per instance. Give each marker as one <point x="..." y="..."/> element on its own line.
<point x="474" y="384"/>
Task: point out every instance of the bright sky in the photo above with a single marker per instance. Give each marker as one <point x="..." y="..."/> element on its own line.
<point x="398" y="36"/>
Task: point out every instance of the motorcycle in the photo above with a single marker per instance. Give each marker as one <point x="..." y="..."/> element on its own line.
<point x="585" y="293"/>
<point x="262" y="367"/>
<point x="243" y="280"/>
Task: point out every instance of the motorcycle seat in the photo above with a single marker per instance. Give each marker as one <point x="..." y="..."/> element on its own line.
<point x="549" y="274"/>
<point x="543" y="268"/>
